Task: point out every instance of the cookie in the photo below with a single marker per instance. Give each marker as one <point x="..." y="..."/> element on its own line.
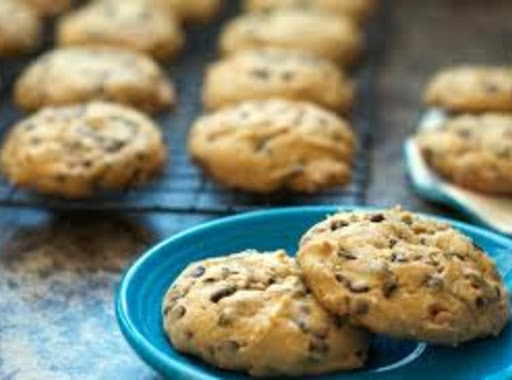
<point x="263" y="74"/>
<point x="192" y="11"/>
<point x="78" y="150"/>
<point x="471" y="89"/>
<point x="251" y="312"/>
<point x="334" y="38"/>
<point x="268" y="145"/>
<point x="79" y="74"/>
<point x="473" y="151"/>
<point x="48" y="7"/>
<point x="132" y="24"/>
<point x="402" y="275"/>
<point x="358" y="10"/>
<point x="20" y="28"/>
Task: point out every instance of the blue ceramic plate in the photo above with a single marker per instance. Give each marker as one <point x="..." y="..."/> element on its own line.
<point x="144" y="284"/>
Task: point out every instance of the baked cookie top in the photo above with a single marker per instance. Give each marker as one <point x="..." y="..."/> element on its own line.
<point x="136" y="25"/>
<point x="399" y="274"/>
<point x="318" y="33"/>
<point x="79" y="74"/>
<point x="77" y="150"/>
<point x="473" y="151"/>
<point x="19" y="28"/>
<point x="263" y="146"/>
<point x="251" y="312"/>
<point x="471" y="89"/>
<point x="267" y="73"/>
<point x="358" y="10"/>
<point x="48" y="7"/>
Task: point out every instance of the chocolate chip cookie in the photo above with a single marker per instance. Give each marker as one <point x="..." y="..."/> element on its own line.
<point x="20" y="28"/>
<point x="251" y="312"/>
<point x="402" y="275"/>
<point x="471" y="89"/>
<point x="358" y="10"/>
<point x="319" y="33"/>
<point x="264" y="146"/>
<point x="76" y="151"/>
<point x="473" y="151"/>
<point x="48" y="7"/>
<point x="131" y="24"/>
<point x="79" y="74"/>
<point x="267" y="73"/>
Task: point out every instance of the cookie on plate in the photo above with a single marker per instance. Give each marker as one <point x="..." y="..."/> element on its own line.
<point x="267" y="73"/>
<point x="263" y="146"/>
<point x="131" y="24"/>
<point x="20" y="28"/>
<point x="473" y="151"/>
<point x="471" y="89"/>
<point x="77" y="150"/>
<point x="79" y="74"/>
<point x="48" y="7"/>
<point x="358" y="10"/>
<point x="314" y="32"/>
<point x="402" y="275"/>
<point x="251" y="312"/>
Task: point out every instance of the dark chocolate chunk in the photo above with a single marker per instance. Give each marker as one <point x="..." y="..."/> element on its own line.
<point x="222" y="293"/>
<point x="337" y="224"/>
<point x="377" y="218"/>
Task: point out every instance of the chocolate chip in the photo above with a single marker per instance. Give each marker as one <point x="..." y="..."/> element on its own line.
<point x="399" y="257"/>
<point x="113" y="146"/>
<point x="359" y="286"/>
<point x="178" y="312"/>
<point x="337" y="224"/>
<point x="434" y="282"/>
<point x="361" y="308"/>
<point x="340" y="278"/>
<point x="224" y="320"/>
<point x="271" y="281"/>
<point x="318" y="349"/>
<point x="339" y="321"/>
<point x="197" y="271"/>
<point x="260" y="73"/>
<point x="346" y="255"/>
<point x="303" y="326"/>
<point x="222" y="293"/>
<point x="480" y="302"/>
<point x="377" y="218"/>
<point x="392" y="243"/>
<point x="287" y="76"/>
<point x="388" y="288"/>
<point x="229" y="346"/>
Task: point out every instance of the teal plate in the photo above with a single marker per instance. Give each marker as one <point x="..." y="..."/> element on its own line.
<point x="144" y="284"/>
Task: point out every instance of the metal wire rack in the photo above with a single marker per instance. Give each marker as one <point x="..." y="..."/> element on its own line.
<point x="182" y="187"/>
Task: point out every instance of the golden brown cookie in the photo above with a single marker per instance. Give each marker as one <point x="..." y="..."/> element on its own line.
<point x="20" y="28"/>
<point x="358" y="10"/>
<point x="471" y="89"/>
<point x="48" y="7"/>
<point x="77" y="151"/>
<point x="251" y="312"/>
<point x="473" y="151"/>
<point x="79" y="74"/>
<point x="131" y="24"/>
<point x="402" y="275"/>
<point x="264" y="146"/>
<point x="267" y="73"/>
<point x="314" y="32"/>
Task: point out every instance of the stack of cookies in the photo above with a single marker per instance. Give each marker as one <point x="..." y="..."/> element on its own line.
<point x="277" y="94"/>
<point x="85" y="136"/>
<point x="472" y="146"/>
<point x="356" y="273"/>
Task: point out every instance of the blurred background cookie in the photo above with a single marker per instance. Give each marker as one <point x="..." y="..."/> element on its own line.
<point x="136" y="25"/>
<point x="79" y="150"/>
<point x="267" y="73"/>
<point x="471" y="89"/>
<point x="314" y="32"/>
<point x="79" y="74"/>
<point x="358" y="10"/>
<point x="20" y="28"/>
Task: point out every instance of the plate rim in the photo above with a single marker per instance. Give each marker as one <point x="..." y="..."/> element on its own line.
<point x="165" y="365"/>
